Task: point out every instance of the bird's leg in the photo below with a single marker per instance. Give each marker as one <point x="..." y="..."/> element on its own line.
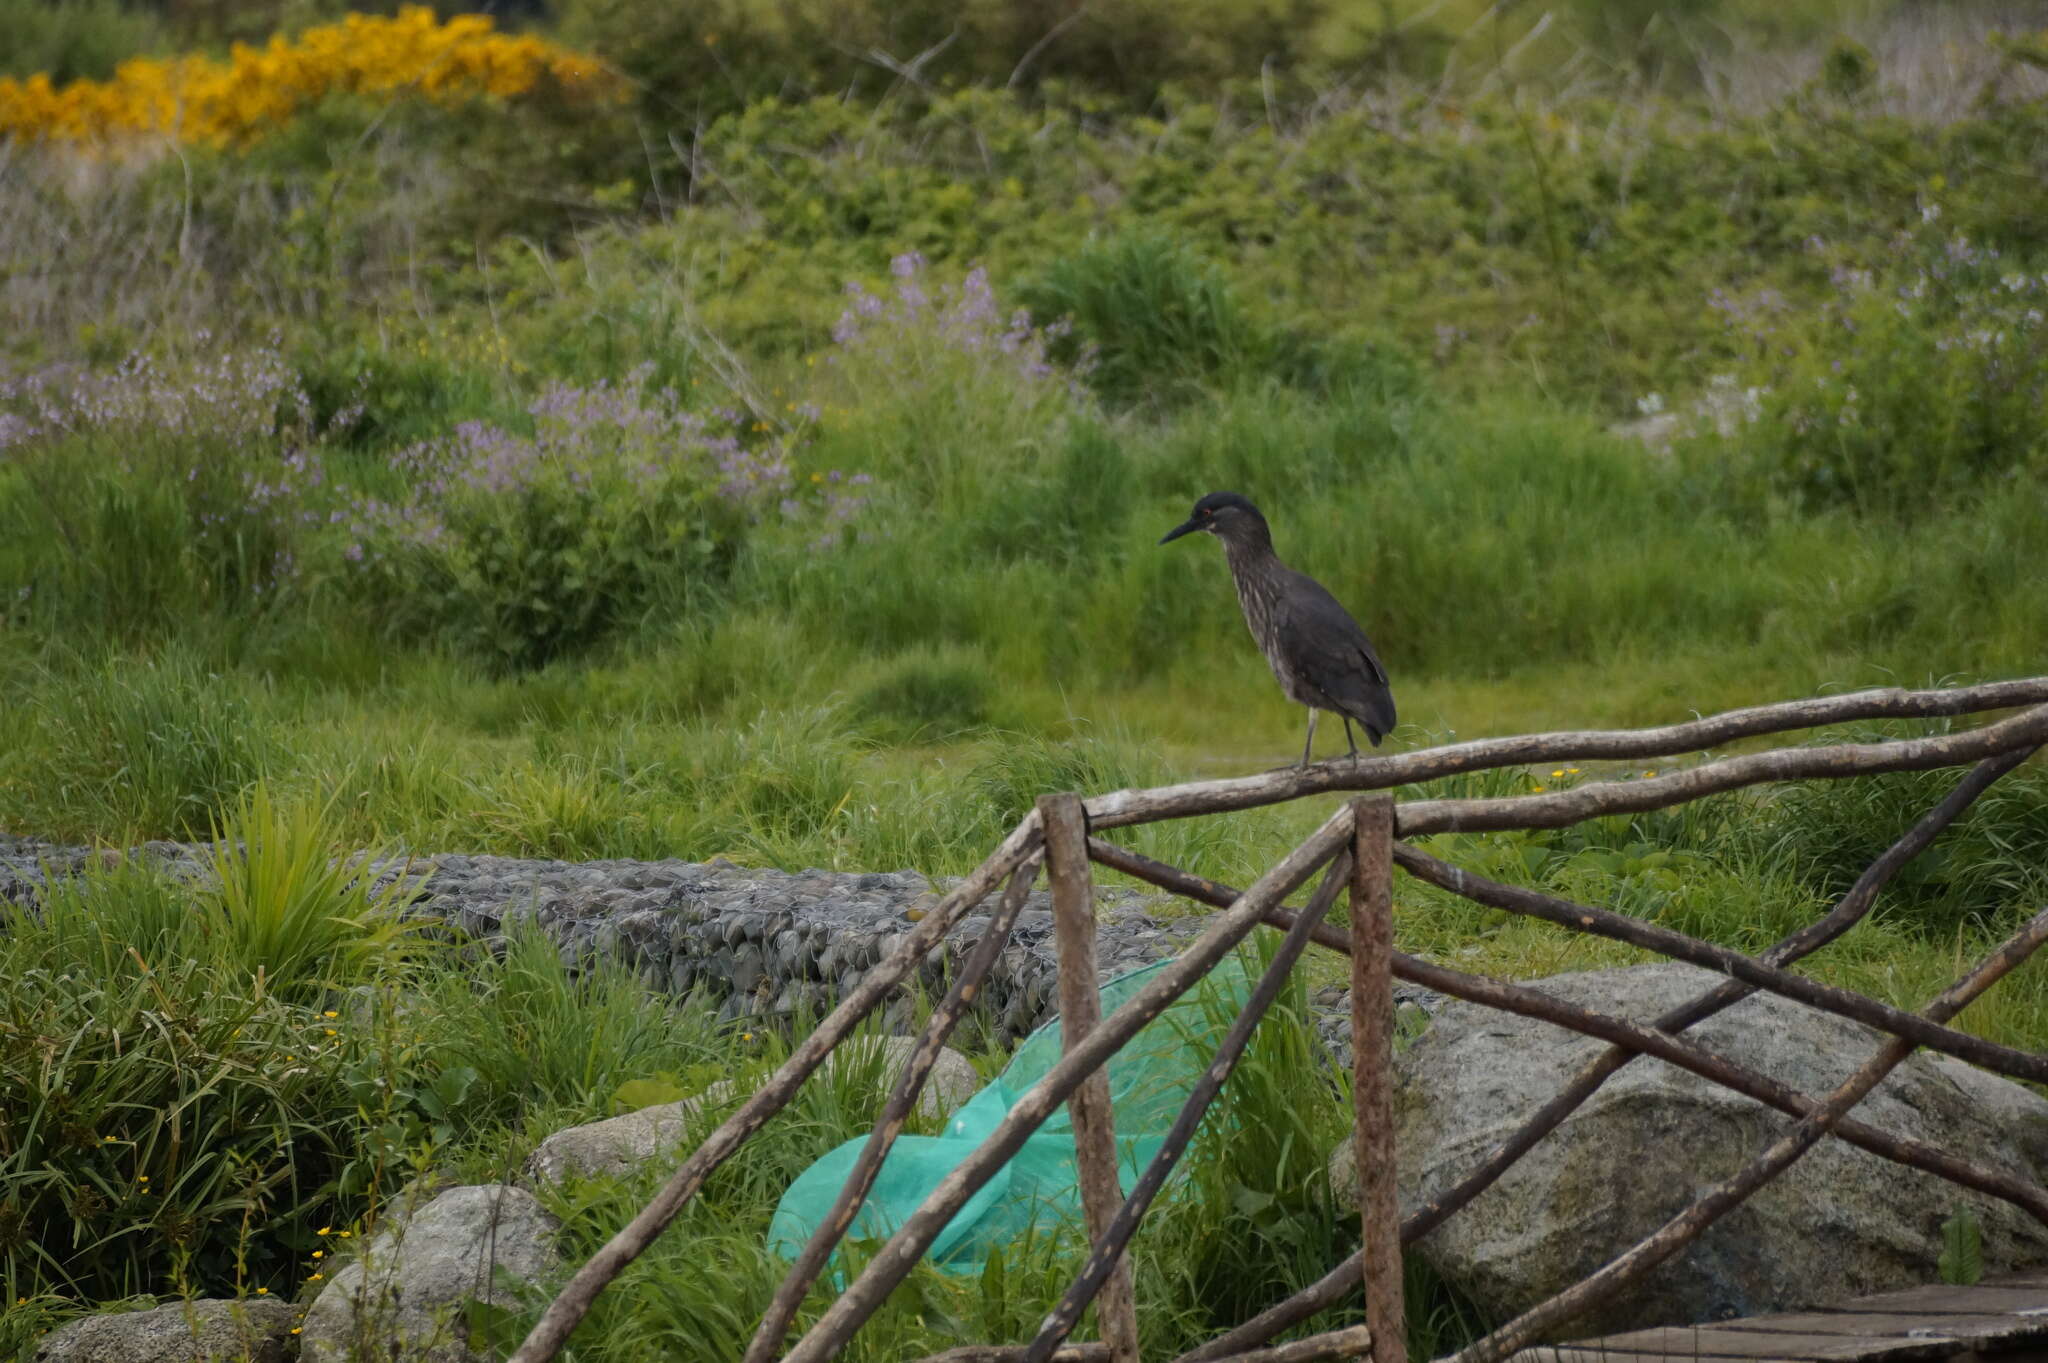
<point x="1311" y="743"/>
<point x="1349" y="739"/>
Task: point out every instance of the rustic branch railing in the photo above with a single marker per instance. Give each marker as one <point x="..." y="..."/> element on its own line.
<point x="1357" y="844"/>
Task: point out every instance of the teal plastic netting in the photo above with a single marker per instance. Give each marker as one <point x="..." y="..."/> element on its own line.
<point x="1038" y="1189"/>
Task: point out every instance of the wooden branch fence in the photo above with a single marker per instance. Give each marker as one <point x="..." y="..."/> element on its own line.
<point x="1358" y="848"/>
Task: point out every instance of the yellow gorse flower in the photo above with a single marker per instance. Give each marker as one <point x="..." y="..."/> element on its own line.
<point x="203" y="99"/>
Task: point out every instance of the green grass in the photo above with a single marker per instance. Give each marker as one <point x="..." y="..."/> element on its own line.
<point x="157" y="1072"/>
<point x="1402" y="318"/>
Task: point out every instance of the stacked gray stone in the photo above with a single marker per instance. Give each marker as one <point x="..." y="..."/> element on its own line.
<point x="760" y="944"/>
<point x="766" y="944"/>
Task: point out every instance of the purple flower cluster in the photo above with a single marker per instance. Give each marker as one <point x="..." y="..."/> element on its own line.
<point x="963" y="318"/>
<point x="234" y="395"/>
<point x="1939" y="288"/>
<point x="622" y="441"/>
<point x="235" y="430"/>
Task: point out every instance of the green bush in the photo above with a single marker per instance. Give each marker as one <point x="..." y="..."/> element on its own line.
<point x="518" y="549"/>
<point x="1982" y="871"/>
<point x="71" y="40"/>
<point x="1920" y="380"/>
<point x="927" y="698"/>
<point x="288" y="905"/>
<point x="147" y="494"/>
<point x="168" y="1122"/>
<point x="1148" y="323"/>
<point x="375" y="398"/>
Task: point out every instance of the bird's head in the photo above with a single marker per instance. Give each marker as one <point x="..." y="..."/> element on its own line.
<point x="1224" y="514"/>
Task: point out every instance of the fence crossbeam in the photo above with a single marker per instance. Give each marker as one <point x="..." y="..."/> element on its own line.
<point x="1679" y="946"/>
<point x="789" y="1294"/>
<point x="573" y="1301"/>
<point x="902" y="1251"/>
<point x="1631" y="1266"/>
<point x="1123" y="807"/>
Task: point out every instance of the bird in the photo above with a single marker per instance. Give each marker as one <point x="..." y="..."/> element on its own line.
<point x="1318" y="653"/>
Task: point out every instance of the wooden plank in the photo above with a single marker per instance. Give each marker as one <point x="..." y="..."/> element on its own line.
<point x="1985" y="1298"/>
<point x="1991" y="1328"/>
<point x="1695" y="1341"/>
<point x="1584" y="1352"/>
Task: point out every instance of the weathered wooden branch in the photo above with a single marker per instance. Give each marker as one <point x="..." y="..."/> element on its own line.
<point x="1690" y="1055"/>
<point x="789" y="1295"/>
<point x="1094" y="1122"/>
<point x="896" y="1258"/>
<point x="1372" y="1075"/>
<point x="1713" y="956"/>
<point x="1068" y="1313"/>
<point x="1341" y="1281"/>
<point x="1379" y="773"/>
<point x="1595" y="799"/>
<point x="573" y="1301"/>
<point x="1091" y="1352"/>
<point x="1846" y="913"/>
<point x="1352" y="1342"/>
<point x="1525" y="1001"/>
<point x="1731" y="1192"/>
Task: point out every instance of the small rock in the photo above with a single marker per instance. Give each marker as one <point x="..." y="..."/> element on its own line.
<point x="206" y="1331"/>
<point x="403" y="1300"/>
<point x="618" y="1145"/>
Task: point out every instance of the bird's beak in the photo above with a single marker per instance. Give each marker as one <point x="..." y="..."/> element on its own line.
<point x="1180" y="530"/>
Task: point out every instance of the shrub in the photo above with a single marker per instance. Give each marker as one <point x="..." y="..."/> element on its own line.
<point x="73" y="40"/>
<point x="281" y="910"/>
<point x="927" y="698"/>
<point x="1918" y="379"/>
<point x="1153" y="322"/>
<point x="375" y="398"/>
<point x="196" y="98"/>
<point x="145" y="492"/>
<point x="524" y="548"/>
<point x="166" y="1122"/>
<point x="1982" y="869"/>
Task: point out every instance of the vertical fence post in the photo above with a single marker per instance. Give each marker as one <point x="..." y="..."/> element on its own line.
<point x="1073" y="914"/>
<point x="1372" y="1072"/>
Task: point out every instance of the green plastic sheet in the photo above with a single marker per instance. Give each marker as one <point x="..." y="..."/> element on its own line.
<point x="1039" y="1189"/>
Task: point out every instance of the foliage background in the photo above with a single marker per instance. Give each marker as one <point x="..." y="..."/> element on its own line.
<point x="759" y="451"/>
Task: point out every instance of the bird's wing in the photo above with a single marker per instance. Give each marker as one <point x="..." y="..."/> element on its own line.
<point x="1334" y="655"/>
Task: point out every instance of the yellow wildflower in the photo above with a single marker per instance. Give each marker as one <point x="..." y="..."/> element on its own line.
<point x="196" y="98"/>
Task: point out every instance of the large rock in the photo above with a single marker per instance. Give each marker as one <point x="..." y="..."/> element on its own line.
<point x="1839" y="1223"/>
<point x="208" y="1331"/>
<point x="618" y="1145"/>
<point x="403" y="1300"/>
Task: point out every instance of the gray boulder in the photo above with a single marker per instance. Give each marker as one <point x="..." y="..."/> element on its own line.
<point x="254" y="1330"/>
<point x="1839" y="1223"/>
<point x="617" y="1145"/>
<point x="404" y="1299"/>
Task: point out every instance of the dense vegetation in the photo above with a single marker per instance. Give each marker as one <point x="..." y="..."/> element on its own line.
<point x="767" y="462"/>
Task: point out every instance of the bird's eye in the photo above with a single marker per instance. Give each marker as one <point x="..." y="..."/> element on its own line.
<point x="1207" y="513"/>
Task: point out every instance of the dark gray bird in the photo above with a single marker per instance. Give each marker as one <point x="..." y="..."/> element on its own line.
<point x="1318" y="652"/>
